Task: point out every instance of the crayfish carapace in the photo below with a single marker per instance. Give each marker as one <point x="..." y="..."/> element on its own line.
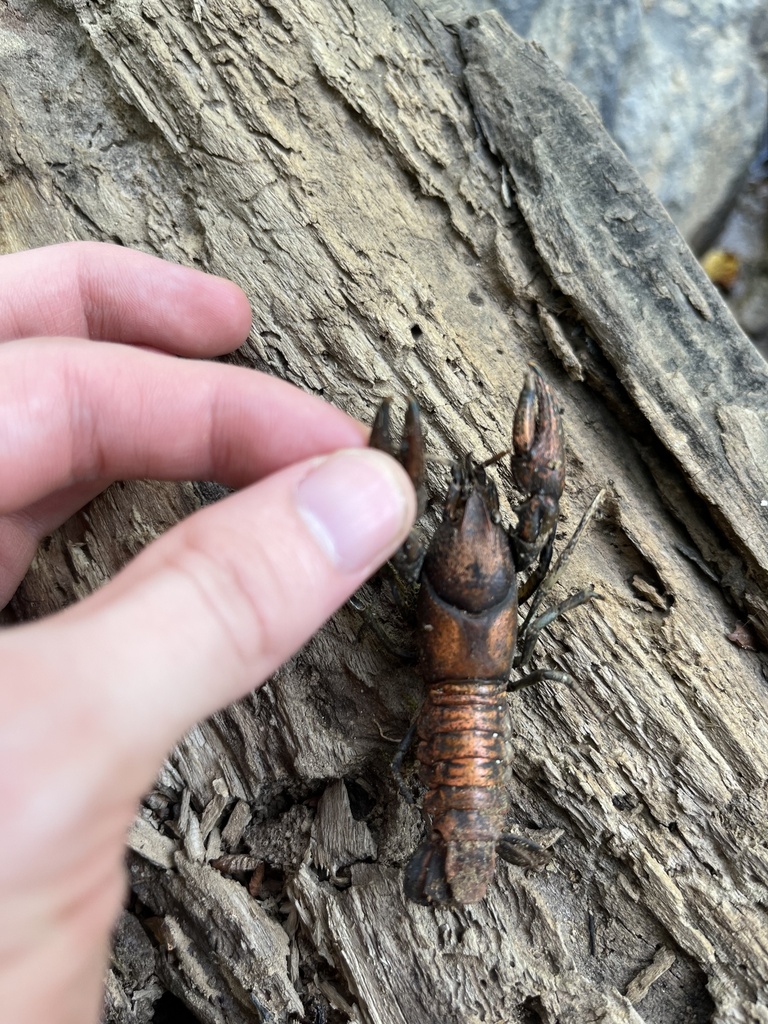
<point x="466" y="611"/>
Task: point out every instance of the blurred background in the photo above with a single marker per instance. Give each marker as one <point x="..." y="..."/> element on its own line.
<point x="682" y="86"/>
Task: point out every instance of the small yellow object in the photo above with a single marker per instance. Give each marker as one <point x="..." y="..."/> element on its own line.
<point x="721" y="267"/>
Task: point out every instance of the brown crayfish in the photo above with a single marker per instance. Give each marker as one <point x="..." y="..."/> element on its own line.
<point x="466" y="611"/>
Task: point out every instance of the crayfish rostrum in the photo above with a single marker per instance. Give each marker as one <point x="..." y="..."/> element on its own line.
<point x="466" y="612"/>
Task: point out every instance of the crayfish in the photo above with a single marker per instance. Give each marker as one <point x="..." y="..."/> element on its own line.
<point x="466" y="611"/>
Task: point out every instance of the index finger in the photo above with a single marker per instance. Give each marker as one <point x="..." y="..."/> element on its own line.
<point x="100" y="291"/>
<point x="73" y="413"/>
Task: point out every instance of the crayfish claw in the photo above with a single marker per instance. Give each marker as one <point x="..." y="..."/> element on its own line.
<point x="381" y="430"/>
<point x="410" y="454"/>
<point x="524" y="425"/>
<point x="538" y="462"/>
<point x="538" y="466"/>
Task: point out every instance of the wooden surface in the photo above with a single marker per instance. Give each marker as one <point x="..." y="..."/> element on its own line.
<point x="414" y="209"/>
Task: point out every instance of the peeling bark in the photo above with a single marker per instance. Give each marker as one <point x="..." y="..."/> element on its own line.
<point x="421" y="209"/>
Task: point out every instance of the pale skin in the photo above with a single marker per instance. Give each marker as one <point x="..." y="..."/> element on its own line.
<point x="92" y="390"/>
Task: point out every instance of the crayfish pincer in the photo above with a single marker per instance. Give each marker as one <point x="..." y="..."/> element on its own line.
<point x="466" y="610"/>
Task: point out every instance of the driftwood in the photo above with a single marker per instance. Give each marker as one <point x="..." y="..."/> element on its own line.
<point x="418" y="208"/>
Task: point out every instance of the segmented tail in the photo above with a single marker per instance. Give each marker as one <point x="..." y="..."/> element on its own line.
<point x="463" y="736"/>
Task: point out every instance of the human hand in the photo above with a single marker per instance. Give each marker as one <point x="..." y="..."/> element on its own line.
<point x="92" y="698"/>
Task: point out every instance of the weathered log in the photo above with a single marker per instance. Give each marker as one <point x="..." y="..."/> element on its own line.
<point x="681" y="87"/>
<point x="419" y="208"/>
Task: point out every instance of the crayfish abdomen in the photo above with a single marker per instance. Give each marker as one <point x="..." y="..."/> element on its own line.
<point x="467" y="629"/>
<point x="462" y="748"/>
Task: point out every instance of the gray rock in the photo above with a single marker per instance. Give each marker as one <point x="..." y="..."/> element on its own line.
<point x="680" y="84"/>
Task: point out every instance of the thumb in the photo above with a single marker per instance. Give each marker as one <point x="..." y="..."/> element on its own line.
<point x="211" y="609"/>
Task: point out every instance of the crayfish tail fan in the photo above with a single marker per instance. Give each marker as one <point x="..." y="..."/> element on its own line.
<point x="425" y="874"/>
<point x="441" y="873"/>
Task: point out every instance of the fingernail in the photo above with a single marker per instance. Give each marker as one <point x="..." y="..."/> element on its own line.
<point x="358" y="506"/>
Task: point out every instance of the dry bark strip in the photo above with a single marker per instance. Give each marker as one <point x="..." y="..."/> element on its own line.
<point x="420" y="209"/>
